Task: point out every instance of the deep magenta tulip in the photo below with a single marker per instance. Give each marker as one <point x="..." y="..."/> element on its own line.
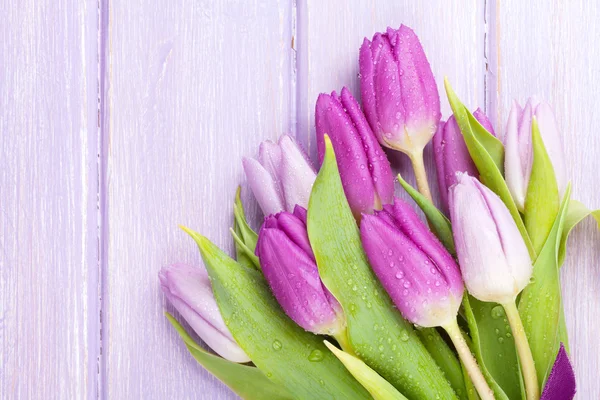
<point x="364" y="168"/>
<point x="189" y="290"/>
<point x="281" y="177"/>
<point x="288" y="263"/>
<point x="398" y="90"/>
<point x="452" y="155"/>
<point x="413" y="266"/>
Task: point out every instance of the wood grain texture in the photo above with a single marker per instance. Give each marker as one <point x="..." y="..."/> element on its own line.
<point x="192" y="86"/>
<point x="331" y="33"/>
<point x="550" y="49"/>
<point x="49" y="321"/>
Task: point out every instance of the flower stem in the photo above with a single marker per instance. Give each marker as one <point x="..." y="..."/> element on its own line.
<point x="416" y="158"/>
<point x="344" y="342"/>
<point x="469" y="361"/>
<point x="532" y="388"/>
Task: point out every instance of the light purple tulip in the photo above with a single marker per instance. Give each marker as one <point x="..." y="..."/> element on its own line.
<point x="189" y="290"/>
<point x="415" y="269"/>
<point x="518" y="147"/>
<point x="288" y="264"/>
<point x="364" y="169"/>
<point x="493" y="258"/>
<point x="398" y="90"/>
<point x="281" y="177"/>
<point x="452" y="155"/>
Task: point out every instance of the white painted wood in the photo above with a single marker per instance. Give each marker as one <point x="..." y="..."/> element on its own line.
<point x="550" y="49"/>
<point x="193" y="87"/>
<point x="49" y="316"/>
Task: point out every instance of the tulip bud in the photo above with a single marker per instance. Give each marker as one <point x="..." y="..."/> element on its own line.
<point x="398" y="90"/>
<point x="518" y="148"/>
<point x="282" y="177"/>
<point x="289" y="266"/>
<point x="494" y="260"/>
<point x="415" y="269"/>
<point x="364" y="169"/>
<point x="189" y="290"/>
<point x="452" y="155"/>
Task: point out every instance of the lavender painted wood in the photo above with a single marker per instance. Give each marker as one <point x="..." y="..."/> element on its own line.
<point x="332" y="32"/>
<point x="192" y="87"/>
<point x="49" y="317"/>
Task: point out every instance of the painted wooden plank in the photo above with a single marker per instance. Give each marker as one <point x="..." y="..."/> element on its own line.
<point x="191" y="88"/>
<point x="330" y="35"/>
<point x="49" y="320"/>
<point x="550" y="49"/>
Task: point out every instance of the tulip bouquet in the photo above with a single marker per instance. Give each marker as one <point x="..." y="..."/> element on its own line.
<point x="346" y="293"/>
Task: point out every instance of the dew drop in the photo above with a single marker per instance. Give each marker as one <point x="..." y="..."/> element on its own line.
<point x="315" y="356"/>
<point x="276" y="345"/>
<point x="497" y="312"/>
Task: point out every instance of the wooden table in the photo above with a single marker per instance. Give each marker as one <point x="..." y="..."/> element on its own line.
<point x="120" y="120"/>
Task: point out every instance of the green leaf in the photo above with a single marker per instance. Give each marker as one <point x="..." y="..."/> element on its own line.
<point x="577" y="213"/>
<point x="379" y="388"/>
<point x="246" y="381"/>
<point x="288" y="355"/>
<point x="445" y="358"/>
<point x="541" y="202"/>
<point x="245" y="238"/>
<point x="440" y="225"/>
<point x="496" y="358"/>
<point x="376" y="331"/>
<point x="540" y="304"/>
<point x="486" y="156"/>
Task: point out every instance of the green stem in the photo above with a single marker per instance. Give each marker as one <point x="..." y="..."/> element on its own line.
<point x="416" y="158"/>
<point x="469" y="361"/>
<point x="532" y="388"/>
<point x="344" y="342"/>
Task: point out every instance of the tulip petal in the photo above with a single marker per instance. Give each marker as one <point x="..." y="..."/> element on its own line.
<point x="388" y="95"/>
<point x="419" y="90"/>
<point x="188" y="289"/>
<point x="332" y="119"/>
<point x="561" y="383"/>
<point x="297" y="174"/>
<point x="367" y="87"/>
<point x="294" y="279"/>
<point x="378" y="164"/>
<point x="264" y="187"/>
<point x="484" y="121"/>
<point x="478" y="245"/>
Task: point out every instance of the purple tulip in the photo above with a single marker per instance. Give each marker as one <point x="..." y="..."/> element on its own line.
<point x="560" y="384"/>
<point x="518" y="145"/>
<point x="288" y="264"/>
<point x="493" y="257"/>
<point x="415" y="269"/>
<point x="399" y="92"/>
<point x="364" y="169"/>
<point x="189" y="290"/>
<point x="452" y="155"/>
<point x="282" y="177"/>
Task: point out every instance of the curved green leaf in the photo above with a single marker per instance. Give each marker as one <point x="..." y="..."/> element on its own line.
<point x="440" y="225"/>
<point x="379" y="388"/>
<point x="541" y="202"/>
<point x="577" y="213"/>
<point x="376" y="331"/>
<point x="245" y="238"/>
<point x="246" y="381"/>
<point x="487" y="159"/>
<point x="540" y="304"/>
<point x="282" y="350"/>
